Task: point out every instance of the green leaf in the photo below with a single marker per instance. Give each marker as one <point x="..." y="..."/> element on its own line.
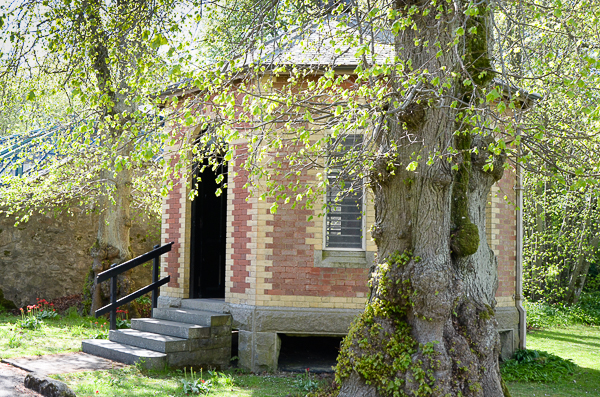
<point x="30" y="96"/>
<point x="412" y="166"/>
<point x="493" y="95"/>
<point x="274" y="208"/>
<point x="158" y="41"/>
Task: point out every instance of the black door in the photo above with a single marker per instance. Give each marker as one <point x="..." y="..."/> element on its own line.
<point x="208" y="235"/>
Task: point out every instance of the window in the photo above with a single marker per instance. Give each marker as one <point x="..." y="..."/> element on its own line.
<point x="344" y="225"/>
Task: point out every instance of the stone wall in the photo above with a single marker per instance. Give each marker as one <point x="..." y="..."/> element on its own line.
<point x="49" y="256"/>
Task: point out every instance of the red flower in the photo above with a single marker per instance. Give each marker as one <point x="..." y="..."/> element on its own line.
<point x="203" y="381"/>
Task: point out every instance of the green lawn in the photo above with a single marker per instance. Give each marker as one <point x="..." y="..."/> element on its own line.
<point x="57" y="335"/>
<point x="130" y="382"/>
<point x="578" y="343"/>
<point x="65" y="333"/>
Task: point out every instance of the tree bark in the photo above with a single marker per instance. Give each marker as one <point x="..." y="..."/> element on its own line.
<point x="582" y="265"/>
<point x="429" y="327"/>
<point x="113" y="241"/>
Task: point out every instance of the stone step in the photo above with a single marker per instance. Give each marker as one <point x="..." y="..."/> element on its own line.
<point x="209" y="305"/>
<point x="207" y="319"/>
<point x="171" y="328"/>
<point x="124" y="353"/>
<point x="149" y="340"/>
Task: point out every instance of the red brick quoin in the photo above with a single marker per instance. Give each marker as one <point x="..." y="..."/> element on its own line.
<point x="241" y="228"/>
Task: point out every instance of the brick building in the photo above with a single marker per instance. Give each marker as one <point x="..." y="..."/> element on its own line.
<point x="281" y="274"/>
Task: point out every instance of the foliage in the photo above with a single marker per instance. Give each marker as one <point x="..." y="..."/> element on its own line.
<point x="543" y="314"/>
<point x="35" y="314"/>
<point x="305" y="382"/>
<point x="143" y="306"/>
<point x="574" y="343"/>
<point x="536" y="366"/>
<point x="99" y="331"/>
<point x="129" y="381"/>
<point x="15" y="339"/>
<point x="122" y="319"/>
<point x="195" y="385"/>
<point x="561" y="241"/>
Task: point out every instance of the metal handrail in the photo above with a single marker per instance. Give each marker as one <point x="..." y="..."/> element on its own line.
<point x="115" y="270"/>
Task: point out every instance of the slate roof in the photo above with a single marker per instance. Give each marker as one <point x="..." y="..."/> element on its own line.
<point x="329" y="43"/>
<point x="324" y="45"/>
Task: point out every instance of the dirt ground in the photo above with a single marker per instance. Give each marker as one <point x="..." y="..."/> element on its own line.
<point x="11" y="382"/>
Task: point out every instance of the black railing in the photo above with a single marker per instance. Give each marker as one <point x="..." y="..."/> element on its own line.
<point x="115" y="270"/>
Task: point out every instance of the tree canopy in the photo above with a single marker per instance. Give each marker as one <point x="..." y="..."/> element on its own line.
<point x="439" y="91"/>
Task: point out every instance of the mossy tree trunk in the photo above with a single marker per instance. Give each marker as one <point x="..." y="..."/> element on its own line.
<point x="429" y="326"/>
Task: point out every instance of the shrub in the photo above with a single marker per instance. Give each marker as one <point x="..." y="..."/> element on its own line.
<point x="543" y="314"/>
<point x="536" y="366"/>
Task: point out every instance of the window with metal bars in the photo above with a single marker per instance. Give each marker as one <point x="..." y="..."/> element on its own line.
<point x="344" y="218"/>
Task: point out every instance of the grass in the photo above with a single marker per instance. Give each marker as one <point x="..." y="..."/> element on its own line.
<point x="131" y="382"/>
<point x="65" y="333"/>
<point x="57" y="335"/>
<point x="579" y="343"/>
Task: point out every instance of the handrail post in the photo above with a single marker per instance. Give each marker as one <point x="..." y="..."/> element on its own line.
<point x="155" y="272"/>
<point x="113" y="299"/>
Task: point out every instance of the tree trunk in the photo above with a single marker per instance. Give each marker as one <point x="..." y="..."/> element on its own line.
<point x="582" y="265"/>
<point x="112" y="244"/>
<point x="429" y="327"/>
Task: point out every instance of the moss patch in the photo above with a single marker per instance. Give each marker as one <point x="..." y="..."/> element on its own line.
<point x="465" y="236"/>
<point x="477" y="57"/>
<point x="379" y="345"/>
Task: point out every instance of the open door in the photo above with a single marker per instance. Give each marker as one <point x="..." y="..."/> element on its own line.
<point x="209" y="225"/>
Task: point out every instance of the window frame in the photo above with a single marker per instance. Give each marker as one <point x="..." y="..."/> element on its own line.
<point x="363" y="223"/>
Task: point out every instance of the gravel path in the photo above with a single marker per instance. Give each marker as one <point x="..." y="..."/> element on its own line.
<point x="11" y="382"/>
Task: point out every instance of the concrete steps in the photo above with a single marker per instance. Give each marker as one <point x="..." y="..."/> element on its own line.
<point x="171" y="328"/>
<point x="149" y="340"/>
<point x="209" y="305"/>
<point x="204" y="318"/>
<point x="124" y="353"/>
<point x="174" y="336"/>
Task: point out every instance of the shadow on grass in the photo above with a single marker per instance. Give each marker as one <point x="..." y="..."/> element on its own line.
<point x="585" y="382"/>
<point x="579" y="339"/>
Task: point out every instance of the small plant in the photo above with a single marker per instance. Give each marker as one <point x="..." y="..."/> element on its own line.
<point x="305" y="382"/>
<point x="221" y="379"/>
<point x="536" y="366"/>
<point x="29" y="320"/>
<point x="195" y="385"/>
<point x="71" y="313"/>
<point x="33" y="318"/>
<point x="45" y="309"/>
<point x="122" y="321"/>
<point x="98" y="332"/>
<point x="16" y="339"/>
<point x="143" y="305"/>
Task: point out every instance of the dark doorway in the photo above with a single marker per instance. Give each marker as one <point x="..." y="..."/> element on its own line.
<point x="208" y="234"/>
